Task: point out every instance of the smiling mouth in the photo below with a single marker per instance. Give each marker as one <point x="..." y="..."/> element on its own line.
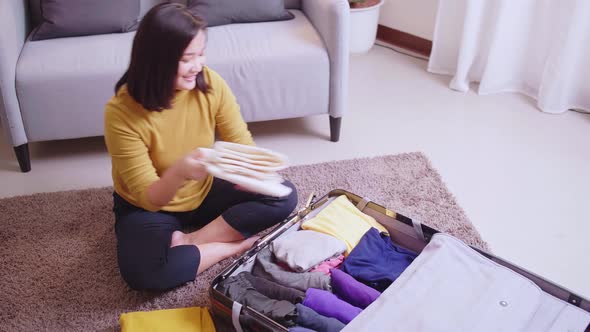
<point x="190" y="78"/>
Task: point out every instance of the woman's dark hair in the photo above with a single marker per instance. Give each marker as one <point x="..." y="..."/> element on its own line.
<point x="163" y="35"/>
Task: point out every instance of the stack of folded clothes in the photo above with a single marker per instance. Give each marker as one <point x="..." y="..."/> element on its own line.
<point x="251" y="167"/>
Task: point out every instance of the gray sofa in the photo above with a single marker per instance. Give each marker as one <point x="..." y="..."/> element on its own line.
<point x="57" y="88"/>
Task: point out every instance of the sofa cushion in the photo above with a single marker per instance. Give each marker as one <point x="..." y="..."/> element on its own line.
<point x="63" y="84"/>
<point x="67" y="18"/>
<point x="144" y="7"/>
<point x="286" y="63"/>
<point x="220" y="12"/>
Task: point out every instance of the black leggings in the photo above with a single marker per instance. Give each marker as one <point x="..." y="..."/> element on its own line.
<point x="147" y="262"/>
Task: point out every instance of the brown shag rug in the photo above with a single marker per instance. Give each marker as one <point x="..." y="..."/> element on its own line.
<point x="59" y="269"/>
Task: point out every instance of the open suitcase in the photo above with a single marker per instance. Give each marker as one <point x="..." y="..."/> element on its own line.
<point x="408" y="233"/>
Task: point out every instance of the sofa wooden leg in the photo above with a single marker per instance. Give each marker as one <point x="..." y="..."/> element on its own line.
<point x="335" y="128"/>
<point x="24" y="160"/>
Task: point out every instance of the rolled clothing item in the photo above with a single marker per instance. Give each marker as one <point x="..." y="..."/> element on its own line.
<point x="239" y="289"/>
<point x="265" y="267"/>
<point x="329" y="264"/>
<point x="310" y="319"/>
<point x="377" y="270"/>
<point x="327" y="304"/>
<point x="341" y="219"/>
<point x="304" y="249"/>
<point x="274" y="290"/>
<point x="350" y="290"/>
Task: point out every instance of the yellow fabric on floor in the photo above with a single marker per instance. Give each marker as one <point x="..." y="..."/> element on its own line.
<point x="178" y="320"/>
<point x="344" y="221"/>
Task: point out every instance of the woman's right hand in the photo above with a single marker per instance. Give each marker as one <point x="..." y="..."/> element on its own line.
<point x="190" y="167"/>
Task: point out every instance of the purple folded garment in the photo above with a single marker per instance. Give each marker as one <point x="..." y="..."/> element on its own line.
<point x="352" y="291"/>
<point x="327" y="304"/>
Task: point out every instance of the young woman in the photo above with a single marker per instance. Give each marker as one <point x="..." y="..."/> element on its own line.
<point x="167" y="105"/>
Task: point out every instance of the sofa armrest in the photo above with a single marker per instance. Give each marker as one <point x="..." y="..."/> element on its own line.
<point x="13" y="33"/>
<point x="331" y="18"/>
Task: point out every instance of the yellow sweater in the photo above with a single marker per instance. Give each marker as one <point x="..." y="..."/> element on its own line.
<point x="143" y="144"/>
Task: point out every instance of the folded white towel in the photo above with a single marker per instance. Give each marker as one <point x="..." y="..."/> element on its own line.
<point x="251" y="167"/>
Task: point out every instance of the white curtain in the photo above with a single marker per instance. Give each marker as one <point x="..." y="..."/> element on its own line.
<point x="537" y="47"/>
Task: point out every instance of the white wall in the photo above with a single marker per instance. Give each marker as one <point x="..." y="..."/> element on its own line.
<point x="415" y="17"/>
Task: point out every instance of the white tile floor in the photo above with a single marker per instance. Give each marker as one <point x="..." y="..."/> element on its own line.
<point x="521" y="175"/>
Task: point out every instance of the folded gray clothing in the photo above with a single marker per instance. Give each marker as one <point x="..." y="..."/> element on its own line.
<point x="239" y="289"/>
<point x="265" y="267"/>
<point x="305" y="249"/>
<point x="310" y="319"/>
<point x="274" y="290"/>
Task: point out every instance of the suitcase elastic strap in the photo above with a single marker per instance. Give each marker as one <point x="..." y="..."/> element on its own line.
<point x="363" y="203"/>
<point x="235" y="316"/>
<point x="418" y="228"/>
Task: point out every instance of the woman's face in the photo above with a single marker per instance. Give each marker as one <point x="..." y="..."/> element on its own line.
<point x="191" y="63"/>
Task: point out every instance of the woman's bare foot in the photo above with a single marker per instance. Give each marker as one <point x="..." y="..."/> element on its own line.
<point x="247" y="243"/>
<point x="213" y="252"/>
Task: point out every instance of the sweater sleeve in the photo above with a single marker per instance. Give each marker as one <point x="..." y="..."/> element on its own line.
<point x="130" y="157"/>
<point x="230" y="125"/>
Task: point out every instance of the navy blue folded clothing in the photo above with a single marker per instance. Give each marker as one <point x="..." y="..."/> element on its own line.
<point x="376" y="261"/>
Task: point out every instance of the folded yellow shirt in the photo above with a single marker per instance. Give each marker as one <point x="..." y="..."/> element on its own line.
<point x="344" y="221"/>
<point x="178" y="320"/>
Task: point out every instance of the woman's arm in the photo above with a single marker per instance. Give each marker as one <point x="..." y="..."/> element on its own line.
<point x="133" y="168"/>
<point x="163" y="190"/>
